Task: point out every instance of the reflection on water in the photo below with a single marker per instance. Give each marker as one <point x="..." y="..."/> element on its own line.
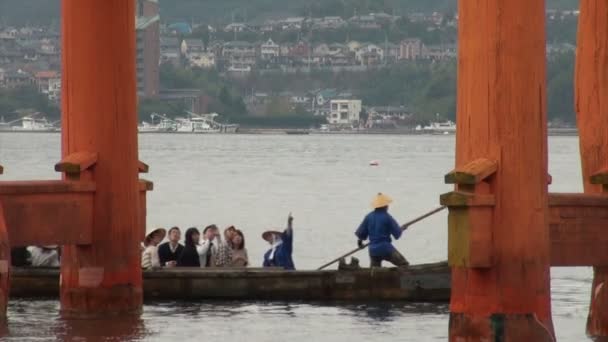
<point x="256" y="321"/>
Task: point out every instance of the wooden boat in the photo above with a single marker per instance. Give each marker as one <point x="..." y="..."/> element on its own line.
<point x="297" y="132"/>
<point x="420" y="283"/>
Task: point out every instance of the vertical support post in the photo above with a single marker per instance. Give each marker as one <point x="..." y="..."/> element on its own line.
<point x="5" y="263"/>
<point x="591" y="88"/>
<point x="99" y="116"/>
<point x="502" y="117"/>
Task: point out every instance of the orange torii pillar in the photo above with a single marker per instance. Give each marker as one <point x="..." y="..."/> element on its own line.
<point x="592" y="117"/>
<point x="498" y="230"/>
<point x="5" y="262"/>
<point x="99" y="117"/>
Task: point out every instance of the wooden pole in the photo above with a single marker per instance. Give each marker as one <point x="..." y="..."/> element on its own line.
<point x="502" y="117"/>
<point x="99" y="116"/>
<point x="365" y="245"/>
<point x="591" y="90"/>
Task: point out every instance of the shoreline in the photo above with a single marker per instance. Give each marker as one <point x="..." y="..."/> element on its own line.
<point x="285" y="131"/>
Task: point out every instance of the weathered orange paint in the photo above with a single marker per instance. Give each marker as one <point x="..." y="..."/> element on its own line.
<point x="48" y="212"/>
<point x="502" y="116"/>
<point x="99" y="116"/>
<point x="591" y="90"/>
<point x="577" y="224"/>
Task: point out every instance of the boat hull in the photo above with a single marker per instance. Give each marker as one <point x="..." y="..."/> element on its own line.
<point x="422" y="283"/>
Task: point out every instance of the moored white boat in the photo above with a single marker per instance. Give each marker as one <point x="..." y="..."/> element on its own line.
<point x="30" y="123"/>
<point x="194" y="123"/>
<point x="446" y="127"/>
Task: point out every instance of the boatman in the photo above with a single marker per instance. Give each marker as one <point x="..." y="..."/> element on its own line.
<point x="378" y="226"/>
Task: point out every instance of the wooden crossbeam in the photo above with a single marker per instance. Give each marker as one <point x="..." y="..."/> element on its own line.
<point x="578" y="225"/>
<point x="48" y="212"/>
<point x="473" y="172"/>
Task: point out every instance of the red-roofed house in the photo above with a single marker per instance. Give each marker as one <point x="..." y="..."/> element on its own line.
<point x="49" y="83"/>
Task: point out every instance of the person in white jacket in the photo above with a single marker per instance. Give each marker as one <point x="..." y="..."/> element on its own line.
<point x="149" y="257"/>
<point x="214" y="252"/>
<point x="44" y="256"/>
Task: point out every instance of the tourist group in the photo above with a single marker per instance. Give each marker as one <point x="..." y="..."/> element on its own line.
<point x="214" y="249"/>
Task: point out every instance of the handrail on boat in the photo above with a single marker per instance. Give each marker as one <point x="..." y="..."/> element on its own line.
<point x="403" y="227"/>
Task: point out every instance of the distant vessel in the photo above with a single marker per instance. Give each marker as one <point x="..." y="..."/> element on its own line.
<point x="194" y="123"/>
<point x="446" y="127"/>
<point x="164" y="125"/>
<point x="297" y="132"/>
<point x="29" y="123"/>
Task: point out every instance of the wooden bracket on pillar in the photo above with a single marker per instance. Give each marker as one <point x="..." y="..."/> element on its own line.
<point x="600" y="178"/>
<point x="470" y="217"/>
<point x="76" y="163"/>
<point x="142" y="167"/>
<point x="473" y="173"/>
<point x="1" y="169"/>
<point x="144" y="187"/>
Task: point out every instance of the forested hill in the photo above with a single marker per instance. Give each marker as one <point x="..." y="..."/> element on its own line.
<point x="19" y="12"/>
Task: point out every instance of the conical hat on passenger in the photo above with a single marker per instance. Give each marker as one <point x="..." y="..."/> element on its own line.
<point x="267" y="235"/>
<point x="161" y="231"/>
<point x="381" y="200"/>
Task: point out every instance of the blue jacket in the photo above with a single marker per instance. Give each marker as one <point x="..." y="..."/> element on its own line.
<point x="282" y="255"/>
<point x="379" y="225"/>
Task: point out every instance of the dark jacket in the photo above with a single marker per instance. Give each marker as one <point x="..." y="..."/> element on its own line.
<point x="282" y="255"/>
<point x="189" y="257"/>
<point x="165" y="255"/>
<point x="379" y="225"/>
<point x="20" y="257"/>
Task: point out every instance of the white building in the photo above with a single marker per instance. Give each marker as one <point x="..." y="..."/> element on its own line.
<point x="270" y="50"/>
<point x="205" y="60"/>
<point x="411" y="49"/>
<point x="344" y="112"/>
<point x="54" y="90"/>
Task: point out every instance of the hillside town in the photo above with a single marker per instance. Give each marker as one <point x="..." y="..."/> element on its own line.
<point x="31" y="57"/>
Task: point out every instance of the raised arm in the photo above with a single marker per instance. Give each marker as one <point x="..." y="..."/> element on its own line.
<point x="288" y="233"/>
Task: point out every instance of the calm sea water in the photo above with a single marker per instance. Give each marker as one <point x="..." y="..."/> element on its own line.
<point x="253" y="182"/>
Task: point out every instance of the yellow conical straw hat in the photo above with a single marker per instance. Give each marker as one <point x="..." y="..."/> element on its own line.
<point x="381" y="200"/>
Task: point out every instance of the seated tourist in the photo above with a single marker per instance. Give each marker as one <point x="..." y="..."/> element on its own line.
<point x="279" y="254"/>
<point x="20" y="257"/>
<point x="229" y="234"/>
<point x="169" y="251"/>
<point x="149" y="257"/>
<point x="190" y="255"/>
<point x="214" y="251"/>
<point x="44" y="256"/>
<point x="239" y="252"/>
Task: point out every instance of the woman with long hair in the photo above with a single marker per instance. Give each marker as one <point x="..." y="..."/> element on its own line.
<point x="190" y="255"/>
<point x="239" y="252"/>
